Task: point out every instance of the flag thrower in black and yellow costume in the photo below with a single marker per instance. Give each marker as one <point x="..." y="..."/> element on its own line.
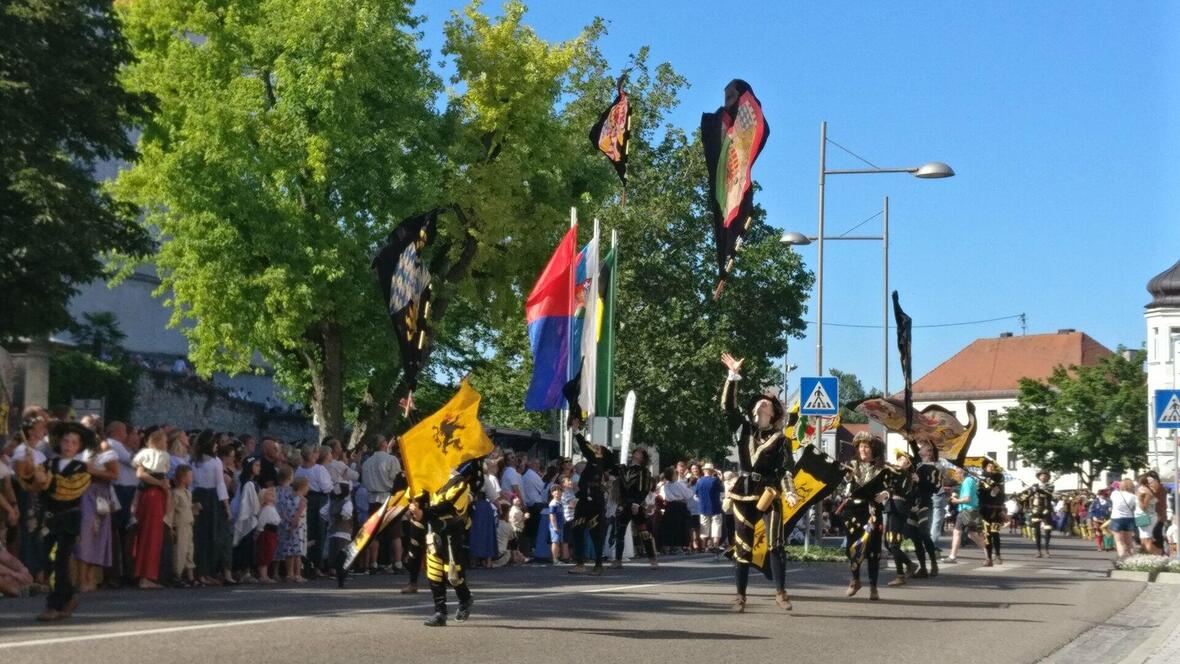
<point x="861" y="509"/>
<point x="764" y="481"/>
<point x="437" y="444"/>
<point x="61" y="483"/>
<point x="447" y="516"/>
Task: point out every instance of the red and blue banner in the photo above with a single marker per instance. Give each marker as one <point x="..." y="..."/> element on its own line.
<point x="549" y="314"/>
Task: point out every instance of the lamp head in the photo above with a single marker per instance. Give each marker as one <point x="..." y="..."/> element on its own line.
<point x="932" y="170"/>
<point x="794" y="238"/>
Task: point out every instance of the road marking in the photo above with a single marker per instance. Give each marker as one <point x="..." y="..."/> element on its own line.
<point x="262" y="621"/>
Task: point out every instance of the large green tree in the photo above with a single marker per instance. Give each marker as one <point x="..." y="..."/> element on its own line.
<point x="1083" y="419"/>
<point x="291" y="135"/>
<point x="62" y="112"/>
<point x="670" y="331"/>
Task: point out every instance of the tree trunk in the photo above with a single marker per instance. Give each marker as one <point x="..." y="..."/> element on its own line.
<point x="327" y="380"/>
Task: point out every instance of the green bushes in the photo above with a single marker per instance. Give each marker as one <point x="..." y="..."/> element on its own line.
<point x="75" y="375"/>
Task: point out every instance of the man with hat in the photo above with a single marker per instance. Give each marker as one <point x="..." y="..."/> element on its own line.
<point x="1039" y="500"/>
<point x="765" y="466"/>
<point x="708" y="493"/>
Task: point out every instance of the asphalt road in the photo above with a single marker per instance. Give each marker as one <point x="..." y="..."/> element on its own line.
<point x="1018" y="612"/>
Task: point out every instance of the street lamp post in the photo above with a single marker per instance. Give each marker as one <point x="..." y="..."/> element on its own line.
<point x="929" y="170"/>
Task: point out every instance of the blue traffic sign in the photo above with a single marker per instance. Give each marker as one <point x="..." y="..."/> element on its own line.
<point x="820" y="395"/>
<point x="1167" y="409"/>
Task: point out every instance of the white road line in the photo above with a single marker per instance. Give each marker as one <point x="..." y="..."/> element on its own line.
<point x="261" y="621"/>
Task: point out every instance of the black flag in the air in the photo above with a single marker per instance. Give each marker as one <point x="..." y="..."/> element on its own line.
<point x="405" y="284"/>
<point x="904" y="348"/>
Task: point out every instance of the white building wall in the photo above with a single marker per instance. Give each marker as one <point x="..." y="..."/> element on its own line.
<point x="1163" y="347"/>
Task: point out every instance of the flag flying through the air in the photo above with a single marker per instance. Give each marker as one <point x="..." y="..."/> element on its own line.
<point x="608" y="279"/>
<point x="440" y="443"/>
<point x="549" y="315"/>
<point x="808" y="429"/>
<point x="933" y="424"/>
<point x="612" y="133"/>
<point x="905" y="327"/>
<point x="405" y="284"/>
<point x="732" y="138"/>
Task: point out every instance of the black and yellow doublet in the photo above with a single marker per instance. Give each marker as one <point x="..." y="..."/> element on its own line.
<point x="921" y="504"/>
<point x="635" y="485"/>
<point x="61" y="485"/>
<point x="448" y="517"/>
<point x="991" y="509"/>
<point x="765" y="465"/>
<point x="1038" y="501"/>
<point x="588" y="511"/>
<point x="862" y="516"/>
<point x="900" y="485"/>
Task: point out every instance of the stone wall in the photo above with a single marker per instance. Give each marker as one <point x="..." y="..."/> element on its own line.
<point x="192" y="403"/>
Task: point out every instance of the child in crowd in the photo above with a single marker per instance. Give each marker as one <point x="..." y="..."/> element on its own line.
<point x="505" y="539"/>
<point x="337" y="513"/>
<point x="268" y="535"/>
<point x="556" y="523"/>
<point x="292" y="504"/>
<point x="568" y="500"/>
<point x="183" y="515"/>
<point x="516" y="518"/>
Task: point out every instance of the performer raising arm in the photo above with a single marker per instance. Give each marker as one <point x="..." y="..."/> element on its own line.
<point x="764" y="470"/>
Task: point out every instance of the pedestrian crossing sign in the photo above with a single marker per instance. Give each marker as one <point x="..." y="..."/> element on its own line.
<point x="820" y="395"/>
<point x="1167" y="409"/>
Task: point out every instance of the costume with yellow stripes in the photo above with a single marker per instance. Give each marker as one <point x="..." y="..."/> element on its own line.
<point x="991" y="509"/>
<point x="448" y="516"/>
<point x="765" y="466"/>
<point x="61" y="484"/>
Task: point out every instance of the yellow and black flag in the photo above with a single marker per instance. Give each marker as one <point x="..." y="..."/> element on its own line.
<point x="440" y="443"/>
<point x="816" y="476"/>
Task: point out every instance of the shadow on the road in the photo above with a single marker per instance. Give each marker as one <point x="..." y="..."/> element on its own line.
<point x="846" y="616"/>
<point x="891" y="598"/>
<point x="647" y="634"/>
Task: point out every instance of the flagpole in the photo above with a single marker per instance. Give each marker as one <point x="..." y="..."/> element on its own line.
<point x="566" y="442"/>
<point x="590" y="357"/>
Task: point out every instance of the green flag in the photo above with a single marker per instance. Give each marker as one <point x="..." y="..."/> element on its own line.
<point x="607" y="283"/>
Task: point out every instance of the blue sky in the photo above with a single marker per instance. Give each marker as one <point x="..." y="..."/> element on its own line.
<point x="1059" y="118"/>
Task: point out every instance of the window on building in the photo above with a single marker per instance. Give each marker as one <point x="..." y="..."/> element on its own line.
<point x="1011" y="461"/>
<point x="991" y="419"/>
<point x="992" y="455"/>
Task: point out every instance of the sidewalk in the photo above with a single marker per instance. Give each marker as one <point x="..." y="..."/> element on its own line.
<point x="1146" y="631"/>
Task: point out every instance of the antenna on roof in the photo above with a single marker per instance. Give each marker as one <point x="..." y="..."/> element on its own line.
<point x="1023" y="325"/>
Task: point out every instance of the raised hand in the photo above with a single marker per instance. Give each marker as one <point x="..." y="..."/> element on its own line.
<point x="731" y="363"/>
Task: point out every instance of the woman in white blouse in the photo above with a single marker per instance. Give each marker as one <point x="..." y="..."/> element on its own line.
<point x="1122" y="517"/>
<point x="246" y="508"/>
<point x="212" y="523"/>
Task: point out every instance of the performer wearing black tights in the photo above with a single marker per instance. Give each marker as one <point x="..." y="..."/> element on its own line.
<point x="861" y="510"/>
<point x="899" y="482"/>
<point x="635" y="484"/>
<point x="1039" y="498"/>
<point x="991" y="508"/>
<point x="929" y="482"/>
<point x="764" y="472"/>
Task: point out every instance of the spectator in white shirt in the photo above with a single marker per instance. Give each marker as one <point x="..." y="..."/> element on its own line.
<point x="120" y="441"/>
<point x="377" y="475"/>
<point x="212" y="527"/>
<point x="535" y="502"/>
<point x="510" y="478"/>
<point x="319" y="486"/>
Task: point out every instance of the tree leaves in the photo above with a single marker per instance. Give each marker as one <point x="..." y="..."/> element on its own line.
<point x="1084" y="420"/>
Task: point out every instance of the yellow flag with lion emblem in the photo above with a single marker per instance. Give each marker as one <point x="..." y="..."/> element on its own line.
<point x="443" y="441"/>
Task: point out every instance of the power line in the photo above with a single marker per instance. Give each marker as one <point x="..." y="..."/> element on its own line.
<point x="854" y="154"/>
<point x="966" y="322"/>
<point x="876" y="214"/>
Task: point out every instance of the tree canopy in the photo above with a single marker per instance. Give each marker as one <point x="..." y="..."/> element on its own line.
<point x="290" y="137"/>
<point x="1083" y="419"/>
<point x="62" y="111"/>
